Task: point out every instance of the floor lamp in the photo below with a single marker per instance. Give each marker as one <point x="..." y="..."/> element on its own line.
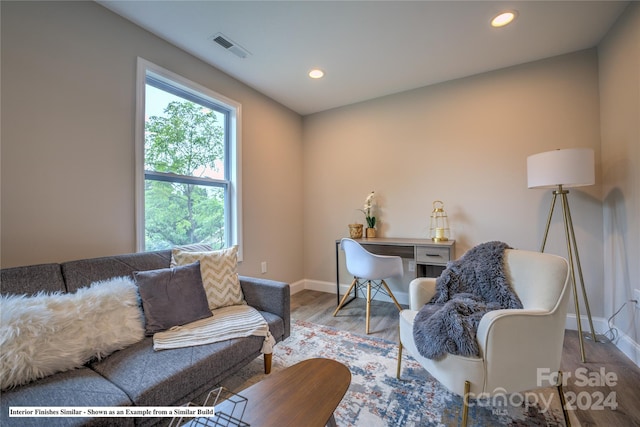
<point x="561" y="169"/>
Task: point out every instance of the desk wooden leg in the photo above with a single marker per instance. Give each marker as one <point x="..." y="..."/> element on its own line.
<point x="368" y="304"/>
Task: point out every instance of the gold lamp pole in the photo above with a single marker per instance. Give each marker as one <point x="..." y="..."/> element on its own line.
<point x="558" y="169"/>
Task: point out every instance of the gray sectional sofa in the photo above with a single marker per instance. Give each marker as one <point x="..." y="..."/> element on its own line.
<point x="136" y="375"/>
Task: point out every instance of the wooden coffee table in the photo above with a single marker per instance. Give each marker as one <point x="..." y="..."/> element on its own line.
<point x="305" y="394"/>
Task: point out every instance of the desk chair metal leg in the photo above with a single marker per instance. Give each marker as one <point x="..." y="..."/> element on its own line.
<point x="346" y="295"/>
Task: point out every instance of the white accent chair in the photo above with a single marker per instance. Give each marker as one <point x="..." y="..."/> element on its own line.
<point x="514" y="344"/>
<point x="369" y="269"/>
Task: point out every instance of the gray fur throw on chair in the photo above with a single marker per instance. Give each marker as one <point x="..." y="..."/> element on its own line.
<point x="465" y="291"/>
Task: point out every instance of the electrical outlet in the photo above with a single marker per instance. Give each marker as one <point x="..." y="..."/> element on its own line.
<point x="264" y="267"/>
<point x="636" y="296"/>
<point x="412" y="266"/>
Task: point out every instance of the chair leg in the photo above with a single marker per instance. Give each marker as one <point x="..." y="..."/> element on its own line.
<point x="399" y="368"/>
<point x="562" y="401"/>
<point x="368" y="304"/>
<point x="465" y="403"/>
<point x="346" y="295"/>
<point x="391" y="295"/>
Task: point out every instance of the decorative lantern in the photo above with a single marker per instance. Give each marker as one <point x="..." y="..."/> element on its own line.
<point x="439" y="226"/>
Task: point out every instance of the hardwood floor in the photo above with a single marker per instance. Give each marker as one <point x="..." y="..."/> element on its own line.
<point x="585" y="387"/>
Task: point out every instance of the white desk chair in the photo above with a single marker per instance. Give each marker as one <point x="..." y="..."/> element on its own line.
<point x="370" y="269"/>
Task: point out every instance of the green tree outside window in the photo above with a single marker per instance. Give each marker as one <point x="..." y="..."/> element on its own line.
<point x="184" y="177"/>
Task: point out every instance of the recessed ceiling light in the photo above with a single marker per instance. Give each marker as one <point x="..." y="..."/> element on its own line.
<point x="316" y="73"/>
<point x="503" y="19"/>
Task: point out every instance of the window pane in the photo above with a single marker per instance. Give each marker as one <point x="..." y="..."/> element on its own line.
<point x="187" y="138"/>
<point x="187" y="163"/>
<point x="180" y="214"/>
<point x="183" y="137"/>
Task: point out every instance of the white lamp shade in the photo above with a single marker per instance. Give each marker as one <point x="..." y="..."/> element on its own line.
<point x="571" y="167"/>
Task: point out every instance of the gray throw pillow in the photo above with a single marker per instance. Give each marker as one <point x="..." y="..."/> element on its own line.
<point x="172" y="297"/>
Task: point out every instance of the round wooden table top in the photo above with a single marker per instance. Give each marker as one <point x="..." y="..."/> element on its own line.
<point x="305" y="394"/>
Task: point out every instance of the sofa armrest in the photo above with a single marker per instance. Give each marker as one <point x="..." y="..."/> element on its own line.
<point x="421" y="290"/>
<point x="269" y="295"/>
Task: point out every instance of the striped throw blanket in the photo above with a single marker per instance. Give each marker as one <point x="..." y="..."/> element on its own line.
<point x="235" y="321"/>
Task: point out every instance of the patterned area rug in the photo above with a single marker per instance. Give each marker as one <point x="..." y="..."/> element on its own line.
<point x="376" y="398"/>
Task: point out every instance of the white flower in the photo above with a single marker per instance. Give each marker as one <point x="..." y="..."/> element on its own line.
<point x="371" y="220"/>
<point x="369" y="198"/>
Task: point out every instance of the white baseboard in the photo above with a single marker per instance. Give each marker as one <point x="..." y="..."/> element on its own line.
<point x="629" y="347"/>
<point x="599" y="323"/>
<point x="298" y="286"/>
<point x="316" y="285"/>
<point x="625" y="343"/>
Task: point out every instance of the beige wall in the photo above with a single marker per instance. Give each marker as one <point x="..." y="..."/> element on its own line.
<point x="464" y="142"/>
<point x="68" y="103"/>
<point x="68" y="85"/>
<point x="619" y="63"/>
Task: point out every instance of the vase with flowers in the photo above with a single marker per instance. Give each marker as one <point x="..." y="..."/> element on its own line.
<point x="369" y="216"/>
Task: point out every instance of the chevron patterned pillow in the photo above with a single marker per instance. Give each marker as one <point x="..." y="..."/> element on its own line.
<point x="195" y="247"/>
<point x="219" y="270"/>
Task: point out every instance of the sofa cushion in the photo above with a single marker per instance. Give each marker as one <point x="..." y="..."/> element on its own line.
<point x="78" y="274"/>
<point x="44" y="334"/>
<point x="173" y="377"/>
<point x="31" y="279"/>
<point x="172" y="297"/>
<point x="167" y="377"/>
<point x="80" y="387"/>
<point x="219" y="271"/>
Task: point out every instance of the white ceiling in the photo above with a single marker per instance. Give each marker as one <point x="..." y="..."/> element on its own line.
<point x="368" y="49"/>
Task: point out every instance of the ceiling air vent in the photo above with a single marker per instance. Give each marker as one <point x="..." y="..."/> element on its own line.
<point x="230" y="45"/>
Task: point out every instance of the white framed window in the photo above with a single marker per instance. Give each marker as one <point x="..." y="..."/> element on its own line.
<point x="188" y="157"/>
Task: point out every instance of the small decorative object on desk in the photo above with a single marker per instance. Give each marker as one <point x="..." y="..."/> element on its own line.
<point x="355" y="231"/>
<point x="369" y="215"/>
<point x="228" y="410"/>
<point x="439" y="226"/>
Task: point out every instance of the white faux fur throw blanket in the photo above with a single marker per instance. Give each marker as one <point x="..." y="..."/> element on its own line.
<point x="48" y="333"/>
<point x="235" y="321"/>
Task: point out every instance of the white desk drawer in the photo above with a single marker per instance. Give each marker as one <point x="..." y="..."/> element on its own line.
<point x="432" y="255"/>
